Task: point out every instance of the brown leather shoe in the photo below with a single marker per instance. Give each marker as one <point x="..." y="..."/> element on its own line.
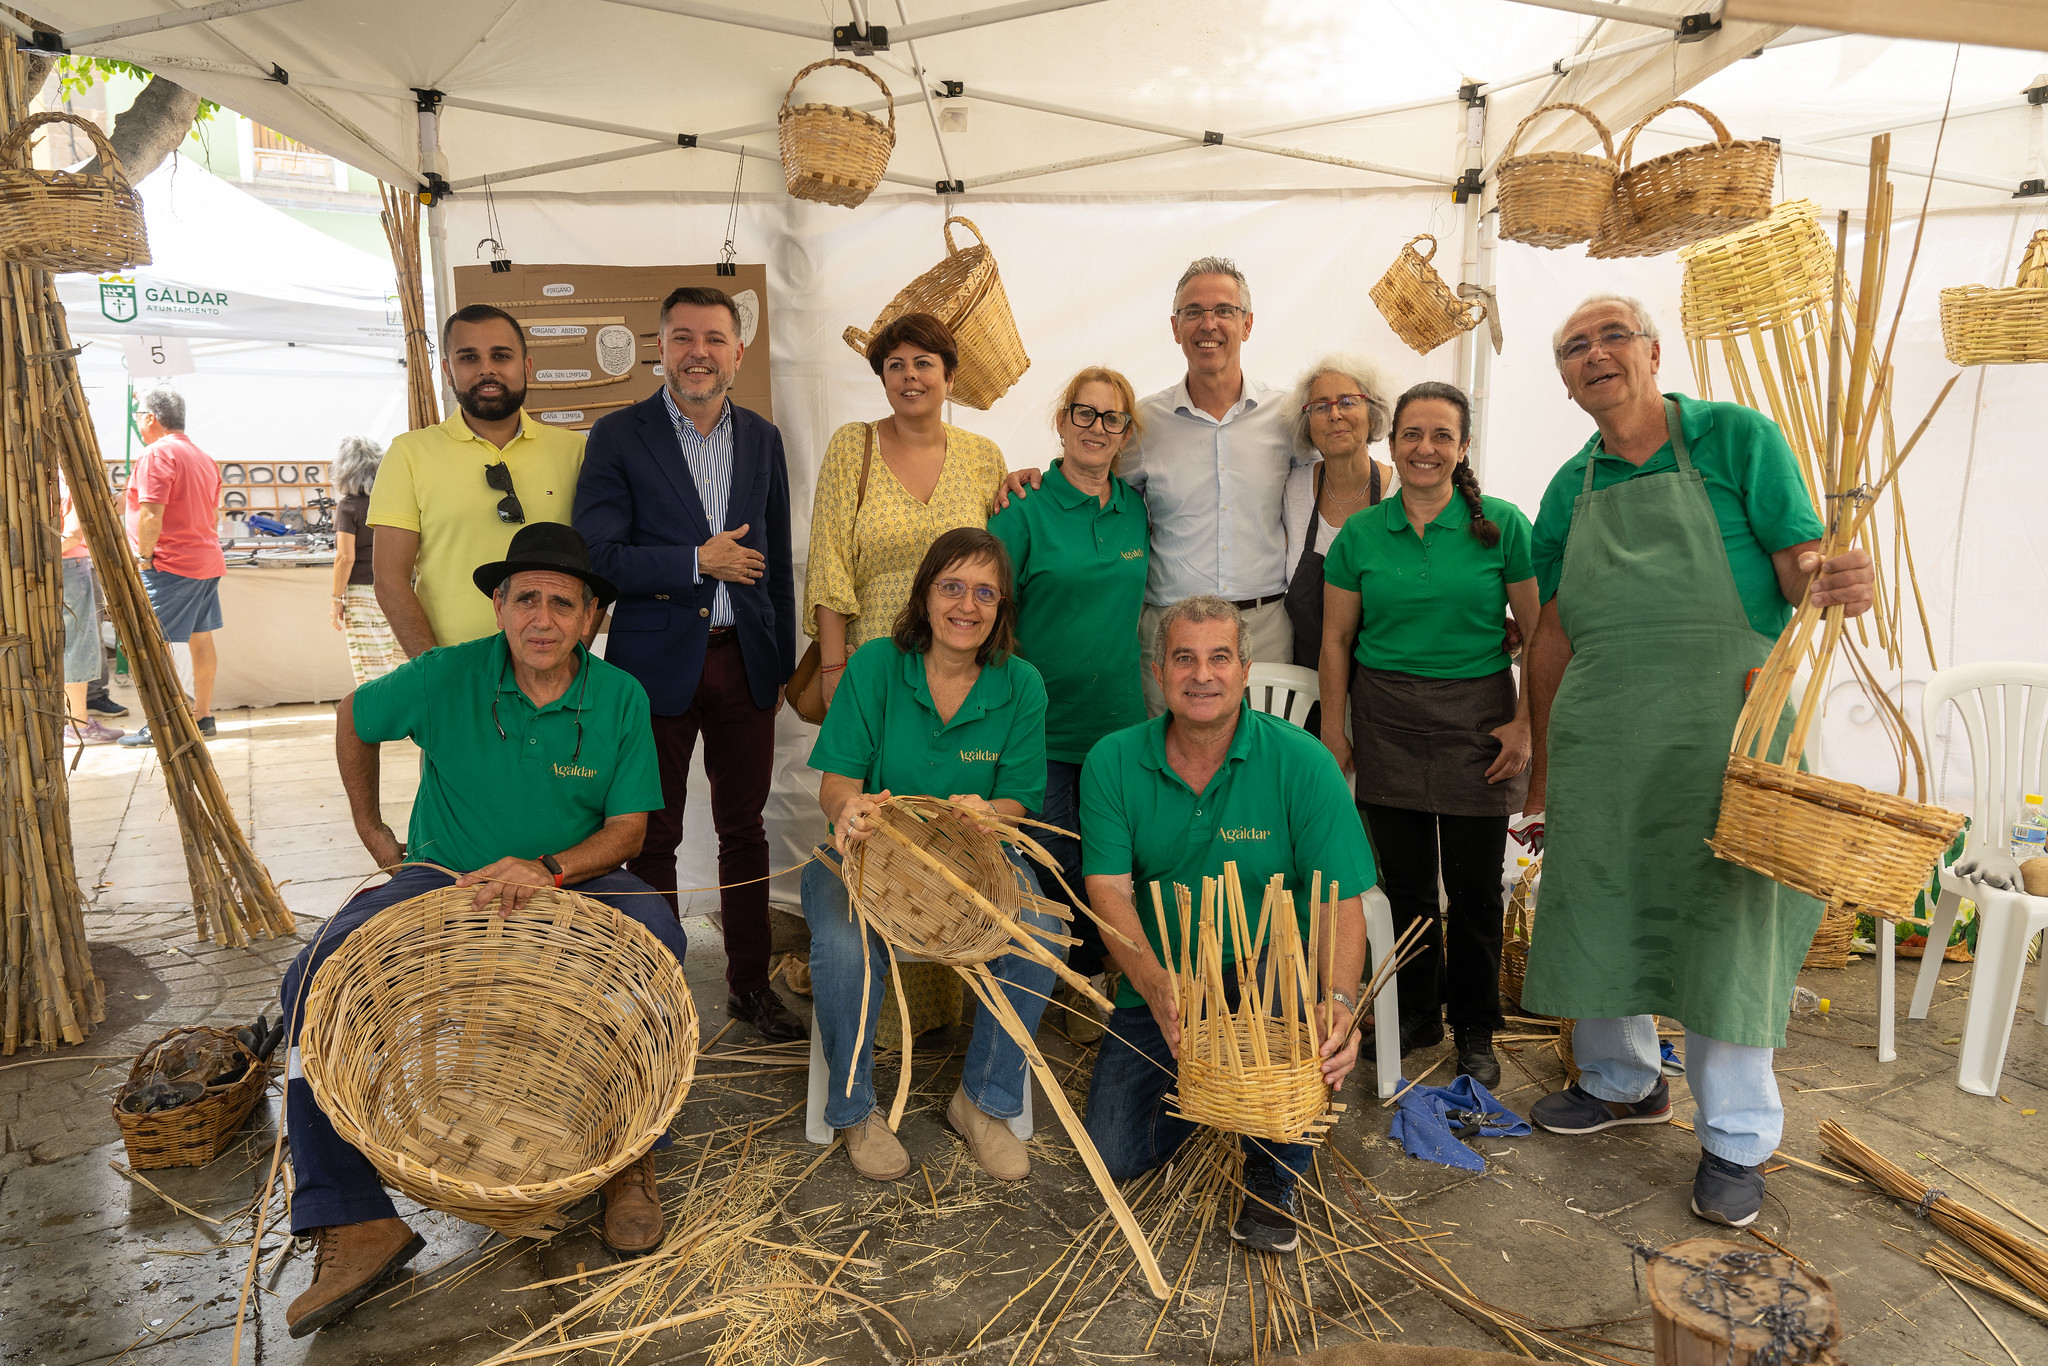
<point x="875" y="1151"/>
<point x="996" y="1150"/>
<point x="632" y="1209"/>
<point x="350" y="1260"/>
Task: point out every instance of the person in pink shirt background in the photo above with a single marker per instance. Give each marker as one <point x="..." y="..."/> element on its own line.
<point x="173" y="503"/>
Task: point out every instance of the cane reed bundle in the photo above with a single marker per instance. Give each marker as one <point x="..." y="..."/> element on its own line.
<point x="832" y="154"/>
<point x="190" y="1135"/>
<point x="57" y="220"/>
<point x="1553" y="199"/>
<point x="401" y="220"/>
<point x="965" y="292"/>
<point x="1981" y="326"/>
<point x="500" y="1068"/>
<point x="1250" y="1043"/>
<point x="1953" y="1264"/>
<point x="1417" y="303"/>
<point x="1688" y="195"/>
<point x="2020" y="1258"/>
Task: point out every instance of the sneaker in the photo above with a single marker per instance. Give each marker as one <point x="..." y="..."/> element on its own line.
<point x="1725" y="1192"/>
<point x="104" y="706"/>
<point x="1265" y="1222"/>
<point x="92" y="733"/>
<point x="1576" y="1111"/>
<point x="136" y="738"/>
<point x="1476" y="1059"/>
<point x="206" y="727"/>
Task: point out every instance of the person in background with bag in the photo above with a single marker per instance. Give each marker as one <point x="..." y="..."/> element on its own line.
<point x="1078" y="551"/>
<point x="1413" y="596"/>
<point x="372" y="648"/>
<point x="684" y="498"/>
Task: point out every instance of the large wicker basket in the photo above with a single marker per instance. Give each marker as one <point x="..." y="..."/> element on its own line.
<point x="1417" y="303"/>
<point x="1771" y="273"/>
<point x="832" y="154"/>
<point x="1981" y="326"/>
<point x="1688" y="195"/>
<point x="1553" y="199"/>
<point x="58" y="220"/>
<point x="191" y="1135"/>
<point x="500" y="1068"/>
<point x="965" y="292"/>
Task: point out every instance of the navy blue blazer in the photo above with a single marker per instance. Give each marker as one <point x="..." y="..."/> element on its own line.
<point x="638" y="507"/>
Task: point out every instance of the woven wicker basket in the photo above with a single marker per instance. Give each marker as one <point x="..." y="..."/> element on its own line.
<point x="1769" y="274"/>
<point x="1830" y="947"/>
<point x="1518" y="929"/>
<point x="1688" y="195"/>
<point x="1417" y="303"/>
<point x="500" y="1068"/>
<point x="1981" y="326"/>
<point x="898" y="880"/>
<point x="832" y="154"/>
<point x="191" y="1135"/>
<point x="59" y="221"/>
<point x="1553" y="199"/>
<point x="965" y="292"/>
<point x="1220" y="1084"/>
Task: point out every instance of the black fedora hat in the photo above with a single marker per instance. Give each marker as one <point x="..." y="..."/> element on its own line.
<point x="548" y="546"/>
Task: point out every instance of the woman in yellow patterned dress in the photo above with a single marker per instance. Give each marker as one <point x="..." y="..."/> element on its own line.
<point x="888" y="489"/>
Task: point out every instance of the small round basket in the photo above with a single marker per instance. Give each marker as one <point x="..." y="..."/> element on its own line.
<point x="1769" y="274"/>
<point x="965" y="292"/>
<point x="1417" y="303"/>
<point x="1220" y="1084"/>
<point x="891" y="880"/>
<point x="500" y="1069"/>
<point x="1553" y="199"/>
<point x="190" y="1135"/>
<point x="832" y="154"/>
<point x="1688" y="195"/>
<point x="1981" y="326"/>
<point x="63" y="221"/>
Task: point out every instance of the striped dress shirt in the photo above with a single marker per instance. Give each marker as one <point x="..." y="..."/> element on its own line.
<point x="710" y="462"/>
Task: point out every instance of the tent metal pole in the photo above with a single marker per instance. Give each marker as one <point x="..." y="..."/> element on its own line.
<point x="176" y="18"/>
<point x="257" y="73"/>
<point x="929" y="28"/>
<point x="1801" y="149"/>
<point x="570" y="164"/>
<point x="718" y="14"/>
<point x="1325" y="120"/>
<point x="1577" y="60"/>
<point x="1865" y="130"/>
<point x="1474" y="346"/>
<point x="924" y="84"/>
<point x="1080" y="163"/>
<point x="433" y="163"/>
<point x="1606" y="9"/>
<point x="15" y="26"/>
<point x="624" y="130"/>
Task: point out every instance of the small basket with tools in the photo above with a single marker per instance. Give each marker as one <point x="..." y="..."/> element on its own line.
<point x="189" y="1093"/>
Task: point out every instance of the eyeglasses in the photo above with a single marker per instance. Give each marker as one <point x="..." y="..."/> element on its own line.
<point x="1113" y="421"/>
<point x="1194" y="313"/>
<point x="954" y="588"/>
<point x="583" y="682"/>
<point x="499" y="477"/>
<point x="1343" y="403"/>
<point x="1612" y="339"/>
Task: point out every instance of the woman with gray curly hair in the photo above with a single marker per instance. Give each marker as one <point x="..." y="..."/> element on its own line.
<point x="1341" y="405"/>
<point x="372" y="649"/>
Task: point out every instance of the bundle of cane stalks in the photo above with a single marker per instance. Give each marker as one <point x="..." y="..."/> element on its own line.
<point x="401" y="220"/>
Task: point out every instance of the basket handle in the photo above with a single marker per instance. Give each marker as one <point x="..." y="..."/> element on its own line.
<point x="1606" y="138"/>
<point x="1721" y="135"/>
<point x="856" y="339"/>
<point x="855" y="66"/>
<point x="952" y="250"/>
<point x="2033" y="273"/>
<point x="1428" y="256"/>
<point x="18" y="139"/>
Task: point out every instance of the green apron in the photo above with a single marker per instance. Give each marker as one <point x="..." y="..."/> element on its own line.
<point x="1637" y="916"/>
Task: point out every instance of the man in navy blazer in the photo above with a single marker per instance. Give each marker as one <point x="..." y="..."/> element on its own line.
<point x="684" y="499"/>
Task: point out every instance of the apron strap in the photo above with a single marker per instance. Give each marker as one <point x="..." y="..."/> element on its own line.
<point x="1677" y="431"/>
<point x="1372" y="498"/>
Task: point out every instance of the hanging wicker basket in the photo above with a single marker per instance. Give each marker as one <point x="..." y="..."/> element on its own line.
<point x="1770" y="274"/>
<point x="1553" y="199"/>
<point x="832" y="154"/>
<point x="965" y="292"/>
<point x="1688" y="195"/>
<point x="1981" y="326"/>
<point x="190" y="1135"/>
<point x="64" y="221"/>
<point x="500" y="1068"/>
<point x="1417" y="303"/>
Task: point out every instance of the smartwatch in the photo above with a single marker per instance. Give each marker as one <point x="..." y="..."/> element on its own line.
<point x="554" y="868"/>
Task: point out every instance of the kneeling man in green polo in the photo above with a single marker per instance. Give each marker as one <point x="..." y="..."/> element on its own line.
<point x="1171" y="800"/>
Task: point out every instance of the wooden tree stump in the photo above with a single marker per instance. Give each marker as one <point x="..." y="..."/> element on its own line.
<point x="1717" y="1303"/>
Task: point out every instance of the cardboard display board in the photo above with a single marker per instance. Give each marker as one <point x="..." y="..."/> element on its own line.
<point x="592" y="329"/>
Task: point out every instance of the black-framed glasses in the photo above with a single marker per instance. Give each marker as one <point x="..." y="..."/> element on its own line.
<point x="954" y="588"/>
<point x="1611" y="339"/>
<point x="499" y="477"/>
<point x="1343" y="403"/>
<point x="1114" y="421"/>
<point x="499" y="726"/>
<point x="1194" y="313"/>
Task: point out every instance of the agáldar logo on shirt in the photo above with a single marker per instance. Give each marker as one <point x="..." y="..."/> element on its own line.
<point x="1243" y="832"/>
<point x="574" y="771"/>
<point x="979" y="756"/>
<point x="1134" y="554"/>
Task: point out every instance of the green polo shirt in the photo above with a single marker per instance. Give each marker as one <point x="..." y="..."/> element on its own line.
<point x="1277" y="805"/>
<point x="1431" y="605"/>
<point x="1080" y="572"/>
<point x="1760" y="500"/>
<point x="554" y="776"/>
<point x="883" y="730"/>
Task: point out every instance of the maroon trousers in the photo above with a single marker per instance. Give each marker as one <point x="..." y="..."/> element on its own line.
<point x="739" y="758"/>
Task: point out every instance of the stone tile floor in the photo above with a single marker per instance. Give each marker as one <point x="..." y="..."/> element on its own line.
<point x="94" y="1269"/>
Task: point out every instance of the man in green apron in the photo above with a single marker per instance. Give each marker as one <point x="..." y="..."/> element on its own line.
<point x="1669" y="552"/>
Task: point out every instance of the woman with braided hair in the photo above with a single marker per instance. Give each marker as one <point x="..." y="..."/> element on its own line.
<point x="1439" y="730"/>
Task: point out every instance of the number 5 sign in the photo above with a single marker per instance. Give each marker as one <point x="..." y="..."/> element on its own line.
<point x="157" y="357"/>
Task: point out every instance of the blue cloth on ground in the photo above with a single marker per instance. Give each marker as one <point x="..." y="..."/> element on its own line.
<point x="1668" y="1059"/>
<point x="1422" y="1128"/>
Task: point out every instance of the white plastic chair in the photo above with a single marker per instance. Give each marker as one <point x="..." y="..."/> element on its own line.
<point x="2004" y="708"/>
<point x="1283" y="690"/>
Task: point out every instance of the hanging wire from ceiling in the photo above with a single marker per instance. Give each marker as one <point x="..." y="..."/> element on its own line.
<point x="501" y="260"/>
<point x="728" y="253"/>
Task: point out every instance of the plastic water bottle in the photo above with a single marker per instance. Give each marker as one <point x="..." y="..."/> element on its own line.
<point x="2030" y="831"/>
<point x="1806" y="1002"/>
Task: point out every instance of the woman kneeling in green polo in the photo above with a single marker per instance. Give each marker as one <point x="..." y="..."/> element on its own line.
<point x="941" y="707"/>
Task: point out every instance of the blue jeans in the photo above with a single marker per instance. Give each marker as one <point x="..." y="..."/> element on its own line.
<point x="994" y="1074"/>
<point x="1741" y="1117"/>
<point x="1063" y="808"/>
<point x="335" y="1183"/>
<point x="1127" y="1117"/>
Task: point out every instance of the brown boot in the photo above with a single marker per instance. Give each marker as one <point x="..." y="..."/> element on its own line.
<point x="875" y="1151"/>
<point x="350" y="1261"/>
<point x="996" y="1150"/>
<point x="632" y="1209"/>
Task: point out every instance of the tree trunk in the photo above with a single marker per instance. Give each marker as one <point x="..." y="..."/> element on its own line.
<point x="152" y="128"/>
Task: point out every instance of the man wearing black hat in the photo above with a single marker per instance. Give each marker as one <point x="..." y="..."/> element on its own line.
<point x="538" y="770"/>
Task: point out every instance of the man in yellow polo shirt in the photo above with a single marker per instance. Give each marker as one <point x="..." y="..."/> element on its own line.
<point x="450" y="498"/>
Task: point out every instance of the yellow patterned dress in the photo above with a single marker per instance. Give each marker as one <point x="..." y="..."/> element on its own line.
<point x="863" y="570"/>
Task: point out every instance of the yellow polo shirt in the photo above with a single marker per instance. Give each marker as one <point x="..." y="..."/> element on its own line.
<point x="432" y="482"/>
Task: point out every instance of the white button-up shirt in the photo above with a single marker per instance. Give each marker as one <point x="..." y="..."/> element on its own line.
<point x="1215" y="492"/>
<point x="709" y="459"/>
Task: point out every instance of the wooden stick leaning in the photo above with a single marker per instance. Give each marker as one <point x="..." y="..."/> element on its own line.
<point x="401" y="220"/>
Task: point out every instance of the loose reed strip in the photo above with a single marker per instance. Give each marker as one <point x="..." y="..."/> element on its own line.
<point x="401" y="220"/>
<point x="1951" y="1263"/>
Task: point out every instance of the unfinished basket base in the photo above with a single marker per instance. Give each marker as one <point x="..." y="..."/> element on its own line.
<point x="1221" y="1084"/>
